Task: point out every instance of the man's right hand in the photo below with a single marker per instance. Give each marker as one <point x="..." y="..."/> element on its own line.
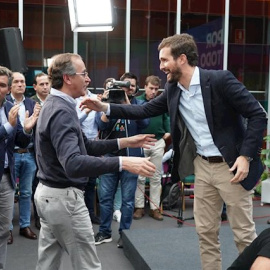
<point x="94" y="104"/>
<point x="138" y="165"/>
<point x="13" y="114"/>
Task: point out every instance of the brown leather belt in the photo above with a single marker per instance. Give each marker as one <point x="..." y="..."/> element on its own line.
<point x="24" y="150"/>
<point x="214" y="159"/>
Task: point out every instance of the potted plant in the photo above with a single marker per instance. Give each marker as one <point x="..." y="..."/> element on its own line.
<point x="265" y="157"/>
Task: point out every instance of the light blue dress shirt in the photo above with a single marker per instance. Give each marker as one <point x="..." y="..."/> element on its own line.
<point x="191" y="108"/>
<point x="88" y="123"/>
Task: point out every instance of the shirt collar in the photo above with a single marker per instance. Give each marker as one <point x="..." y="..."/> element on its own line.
<point x="55" y="92"/>
<point x="195" y="79"/>
<point x="14" y="100"/>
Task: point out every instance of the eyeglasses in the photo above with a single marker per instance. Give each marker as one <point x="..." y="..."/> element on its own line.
<point x="84" y="74"/>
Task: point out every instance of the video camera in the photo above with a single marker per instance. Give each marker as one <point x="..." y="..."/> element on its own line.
<point x="116" y="93"/>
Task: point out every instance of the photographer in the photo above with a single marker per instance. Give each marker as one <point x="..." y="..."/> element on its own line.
<point x="118" y="128"/>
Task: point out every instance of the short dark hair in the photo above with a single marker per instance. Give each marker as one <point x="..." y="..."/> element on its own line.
<point x="61" y="64"/>
<point x="4" y="71"/>
<point x="181" y="44"/>
<point x="129" y="75"/>
<point x="39" y="75"/>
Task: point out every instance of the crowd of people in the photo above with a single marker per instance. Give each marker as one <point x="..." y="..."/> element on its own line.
<point x="65" y="142"/>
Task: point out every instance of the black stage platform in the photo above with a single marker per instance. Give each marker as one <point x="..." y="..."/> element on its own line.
<point x="174" y="248"/>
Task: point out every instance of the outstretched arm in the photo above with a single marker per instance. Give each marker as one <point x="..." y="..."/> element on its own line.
<point x="138" y="165"/>
<point x="141" y="140"/>
<point x="93" y="104"/>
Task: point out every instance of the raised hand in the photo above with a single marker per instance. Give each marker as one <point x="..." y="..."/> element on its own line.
<point x="138" y="165"/>
<point x="13" y="115"/>
<point x="29" y="122"/>
<point x="93" y="104"/>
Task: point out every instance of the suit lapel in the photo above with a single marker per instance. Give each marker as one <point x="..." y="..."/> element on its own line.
<point x="206" y="94"/>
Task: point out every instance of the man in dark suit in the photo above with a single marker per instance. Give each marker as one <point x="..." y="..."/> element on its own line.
<point x="25" y="164"/>
<point x="42" y="86"/>
<point x="206" y="109"/>
<point x="11" y="133"/>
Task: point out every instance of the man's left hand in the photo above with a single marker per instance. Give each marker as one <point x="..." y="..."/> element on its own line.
<point x="241" y="165"/>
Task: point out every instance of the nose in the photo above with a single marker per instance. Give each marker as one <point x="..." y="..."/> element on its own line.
<point x="87" y="78"/>
<point x="161" y="66"/>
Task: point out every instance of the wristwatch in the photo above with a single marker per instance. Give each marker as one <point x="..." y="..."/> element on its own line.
<point x="249" y="159"/>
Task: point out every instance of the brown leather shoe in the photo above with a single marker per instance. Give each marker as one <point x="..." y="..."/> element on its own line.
<point x="155" y="214"/>
<point x="10" y="238"/>
<point x="138" y="213"/>
<point x="28" y="233"/>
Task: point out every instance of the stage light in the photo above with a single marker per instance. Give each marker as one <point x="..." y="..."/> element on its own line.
<point x="91" y="15"/>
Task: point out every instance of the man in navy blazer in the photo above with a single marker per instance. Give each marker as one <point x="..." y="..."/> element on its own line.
<point x="217" y="129"/>
<point x="25" y="164"/>
<point x="11" y="133"/>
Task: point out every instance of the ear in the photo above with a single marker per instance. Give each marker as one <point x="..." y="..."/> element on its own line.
<point x="182" y="59"/>
<point x="66" y="79"/>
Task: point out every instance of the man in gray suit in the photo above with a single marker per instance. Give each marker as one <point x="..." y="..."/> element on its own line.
<point x="206" y="109"/>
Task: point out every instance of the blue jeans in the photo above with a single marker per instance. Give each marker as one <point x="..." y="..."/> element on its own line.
<point x="107" y="189"/>
<point x="117" y="198"/>
<point x="25" y="170"/>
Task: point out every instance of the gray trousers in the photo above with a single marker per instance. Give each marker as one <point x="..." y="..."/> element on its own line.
<point x="65" y="226"/>
<point x="6" y="213"/>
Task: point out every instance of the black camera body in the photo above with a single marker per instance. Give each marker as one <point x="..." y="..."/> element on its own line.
<point x="116" y="93"/>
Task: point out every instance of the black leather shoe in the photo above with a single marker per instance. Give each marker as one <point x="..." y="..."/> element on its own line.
<point x="28" y="233"/>
<point x="10" y="238"/>
<point x="37" y="223"/>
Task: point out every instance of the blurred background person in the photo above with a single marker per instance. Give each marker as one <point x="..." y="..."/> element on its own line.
<point x="42" y="86"/>
<point x="160" y="126"/>
<point x="25" y="163"/>
<point x="111" y="129"/>
<point x="90" y="128"/>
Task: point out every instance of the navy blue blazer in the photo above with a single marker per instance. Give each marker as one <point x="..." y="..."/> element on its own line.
<point x="7" y="143"/>
<point x="226" y="103"/>
<point x="28" y="102"/>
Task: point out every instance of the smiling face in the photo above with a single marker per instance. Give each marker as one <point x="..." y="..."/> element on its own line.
<point x="169" y="65"/>
<point x="81" y="80"/>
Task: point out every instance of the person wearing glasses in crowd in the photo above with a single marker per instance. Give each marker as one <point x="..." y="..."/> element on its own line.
<point x="66" y="159"/>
